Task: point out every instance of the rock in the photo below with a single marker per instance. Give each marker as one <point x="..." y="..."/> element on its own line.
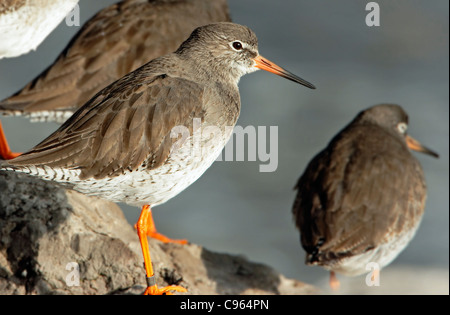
<point x="57" y="241"/>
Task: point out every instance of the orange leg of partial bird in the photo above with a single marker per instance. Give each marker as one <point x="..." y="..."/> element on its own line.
<point x="5" y="151"/>
<point x="334" y="282"/>
<point x="376" y="276"/>
<point x="153" y="233"/>
<point x="142" y="226"/>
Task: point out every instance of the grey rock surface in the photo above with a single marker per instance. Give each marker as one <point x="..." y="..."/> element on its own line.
<point x="47" y="232"/>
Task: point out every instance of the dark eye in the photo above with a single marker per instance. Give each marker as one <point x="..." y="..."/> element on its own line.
<point x="237" y="45"/>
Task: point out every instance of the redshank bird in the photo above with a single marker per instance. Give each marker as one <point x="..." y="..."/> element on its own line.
<point x="25" y="24"/>
<point x="116" y="41"/>
<point x="148" y="136"/>
<point x="362" y="198"/>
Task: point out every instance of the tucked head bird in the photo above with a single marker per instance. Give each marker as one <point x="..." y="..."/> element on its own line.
<point x="148" y="136"/>
<point x="117" y="40"/>
<point x="362" y="198"/>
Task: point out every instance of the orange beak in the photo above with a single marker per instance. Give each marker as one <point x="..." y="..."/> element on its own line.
<point x="415" y="145"/>
<point x="264" y="64"/>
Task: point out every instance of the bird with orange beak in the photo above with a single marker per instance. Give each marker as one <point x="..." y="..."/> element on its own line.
<point x="121" y="146"/>
<point x="361" y="199"/>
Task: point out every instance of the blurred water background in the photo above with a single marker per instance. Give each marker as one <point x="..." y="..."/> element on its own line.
<point x="233" y="207"/>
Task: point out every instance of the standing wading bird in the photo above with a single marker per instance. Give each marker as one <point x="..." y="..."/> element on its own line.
<point x="116" y="41"/>
<point x="121" y="146"/>
<point x="362" y="198"/>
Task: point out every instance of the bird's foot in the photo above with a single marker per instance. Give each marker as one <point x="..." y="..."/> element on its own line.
<point x="150" y="230"/>
<point x="154" y="290"/>
<point x="165" y="239"/>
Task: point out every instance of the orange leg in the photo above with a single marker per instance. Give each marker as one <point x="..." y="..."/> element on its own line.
<point x="142" y="226"/>
<point x="151" y="231"/>
<point x="5" y="151"/>
<point x="376" y="276"/>
<point x="334" y="282"/>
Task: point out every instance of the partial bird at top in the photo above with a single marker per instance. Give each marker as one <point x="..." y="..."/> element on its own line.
<point x="25" y="24"/>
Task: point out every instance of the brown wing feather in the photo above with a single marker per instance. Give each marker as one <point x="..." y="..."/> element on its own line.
<point x="122" y="127"/>
<point x="116" y="41"/>
<point x="353" y="195"/>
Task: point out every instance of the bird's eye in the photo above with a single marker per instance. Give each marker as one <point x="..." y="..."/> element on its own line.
<point x="237" y="45"/>
<point x="402" y="127"/>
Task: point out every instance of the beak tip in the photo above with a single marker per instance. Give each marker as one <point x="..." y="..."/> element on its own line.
<point x="415" y="145"/>
<point x="307" y="84"/>
<point x="264" y="64"/>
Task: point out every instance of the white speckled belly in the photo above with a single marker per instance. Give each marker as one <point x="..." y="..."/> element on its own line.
<point x="153" y="187"/>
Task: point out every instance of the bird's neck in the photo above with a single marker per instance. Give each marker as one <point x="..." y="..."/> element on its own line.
<point x="209" y="71"/>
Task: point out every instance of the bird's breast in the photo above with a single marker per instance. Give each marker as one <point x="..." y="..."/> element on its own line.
<point x="191" y="155"/>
